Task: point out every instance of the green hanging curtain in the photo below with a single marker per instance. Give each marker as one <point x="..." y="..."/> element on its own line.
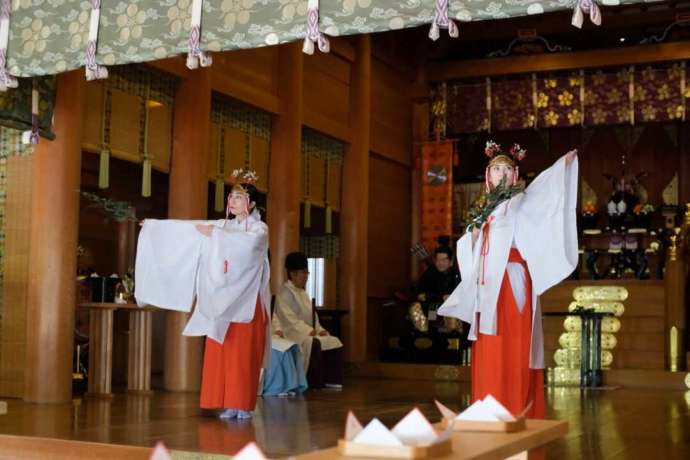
<point x="104" y="164"/>
<point x="144" y="144"/>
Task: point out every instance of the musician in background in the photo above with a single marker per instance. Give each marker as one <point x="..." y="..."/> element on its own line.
<point x="440" y="279"/>
<point x="295" y="319"/>
<point x="433" y="288"/>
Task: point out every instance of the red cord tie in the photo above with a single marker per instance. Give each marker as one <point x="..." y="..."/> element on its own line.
<point x="485" y="245"/>
<point x="225" y="266"/>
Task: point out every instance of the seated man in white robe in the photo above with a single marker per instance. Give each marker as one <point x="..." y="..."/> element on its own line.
<point x="286" y="375"/>
<point x="298" y="322"/>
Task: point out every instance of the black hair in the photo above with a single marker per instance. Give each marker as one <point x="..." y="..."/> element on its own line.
<point x="443" y="240"/>
<point x="444" y="250"/>
<point x="252" y="192"/>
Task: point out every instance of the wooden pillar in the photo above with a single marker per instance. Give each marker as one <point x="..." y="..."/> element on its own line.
<point x="122" y="250"/>
<point x="101" y="350"/>
<point x="354" y="216"/>
<point x="675" y="278"/>
<point x="126" y="246"/>
<point x="139" y="350"/>
<point x="285" y="181"/>
<point x="684" y="164"/>
<point x="420" y="134"/>
<point x="188" y="199"/>
<point x="53" y="254"/>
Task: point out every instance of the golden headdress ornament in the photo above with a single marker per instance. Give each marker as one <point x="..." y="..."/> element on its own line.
<point x="240" y="178"/>
<point x="497" y="156"/>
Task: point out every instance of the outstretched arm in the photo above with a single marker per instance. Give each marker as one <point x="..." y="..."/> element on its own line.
<point x="546" y="230"/>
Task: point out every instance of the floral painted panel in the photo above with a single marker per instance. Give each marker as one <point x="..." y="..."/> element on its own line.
<point x="659" y="92"/>
<point x="467" y="108"/>
<point x="512" y="104"/>
<point x="559" y="99"/>
<point x="607" y="97"/>
<point x="49" y="36"/>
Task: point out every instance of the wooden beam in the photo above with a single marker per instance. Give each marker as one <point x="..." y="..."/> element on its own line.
<point x="326" y="125"/>
<point x="342" y="46"/>
<point x="643" y="54"/>
<point x="175" y="66"/>
<point x="222" y="83"/>
<point x="240" y="90"/>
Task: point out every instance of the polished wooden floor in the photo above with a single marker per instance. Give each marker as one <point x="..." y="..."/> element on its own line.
<point x="612" y="424"/>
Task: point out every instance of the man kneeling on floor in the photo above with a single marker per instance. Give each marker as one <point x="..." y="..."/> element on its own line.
<point x="295" y="319"/>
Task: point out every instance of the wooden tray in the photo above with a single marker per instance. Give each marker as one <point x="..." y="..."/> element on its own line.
<point x="438" y="449"/>
<point x="499" y="427"/>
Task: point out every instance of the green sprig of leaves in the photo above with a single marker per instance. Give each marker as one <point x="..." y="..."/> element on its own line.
<point x="479" y="213"/>
<point x="119" y="211"/>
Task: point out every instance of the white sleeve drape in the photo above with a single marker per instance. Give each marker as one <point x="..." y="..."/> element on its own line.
<point x="546" y="226"/>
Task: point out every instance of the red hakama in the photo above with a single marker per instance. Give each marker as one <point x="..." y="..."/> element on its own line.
<point x="500" y="363"/>
<point x="230" y="378"/>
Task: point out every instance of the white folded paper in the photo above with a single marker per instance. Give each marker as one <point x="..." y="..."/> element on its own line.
<point x="250" y="452"/>
<point x="376" y="433"/>
<point x="412" y="430"/>
<point x="415" y="429"/>
<point x="483" y="410"/>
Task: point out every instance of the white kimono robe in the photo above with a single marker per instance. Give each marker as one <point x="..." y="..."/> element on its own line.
<point x="225" y="272"/>
<point x="541" y="224"/>
<point x="293" y="315"/>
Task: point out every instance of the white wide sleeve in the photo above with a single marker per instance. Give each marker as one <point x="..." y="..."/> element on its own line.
<point x="166" y="264"/>
<point x="231" y="274"/>
<point x="461" y="302"/>
<point x="546" y="227"/>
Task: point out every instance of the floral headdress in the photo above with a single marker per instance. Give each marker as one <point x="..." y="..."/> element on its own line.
<point x="240" y="178"/>
<point x="497" y="156"/>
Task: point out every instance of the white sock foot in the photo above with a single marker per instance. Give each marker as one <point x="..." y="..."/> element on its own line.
<point x="228" y="413"/>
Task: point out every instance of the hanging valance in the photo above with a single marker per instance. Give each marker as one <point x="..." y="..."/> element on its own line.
<point x="143" y="82"/>
<point x="240" y="138"/>
<point x="46" y="38"/>
<point x="129" y="115"/>
<point x="322" y="160"/>
<point x="320" y="247"/>
<point x="608" y="96"/>
<point x="16" y="106"/>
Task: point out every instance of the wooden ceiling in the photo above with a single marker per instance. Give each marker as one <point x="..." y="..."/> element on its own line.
<point x="622" y="27"/>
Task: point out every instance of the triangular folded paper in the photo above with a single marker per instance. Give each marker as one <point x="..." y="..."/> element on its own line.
<point x="445" y="412"/>
<point x="498" y="409"/>
<point x="415" y="429"/>
<point x="376" y="433"/>
<point x="477" y="412"/>
<point x="352" y="427"/>
<point x="250" y="452"/>
<point x="160" y="453"/>
<point x="486" y="410"/>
